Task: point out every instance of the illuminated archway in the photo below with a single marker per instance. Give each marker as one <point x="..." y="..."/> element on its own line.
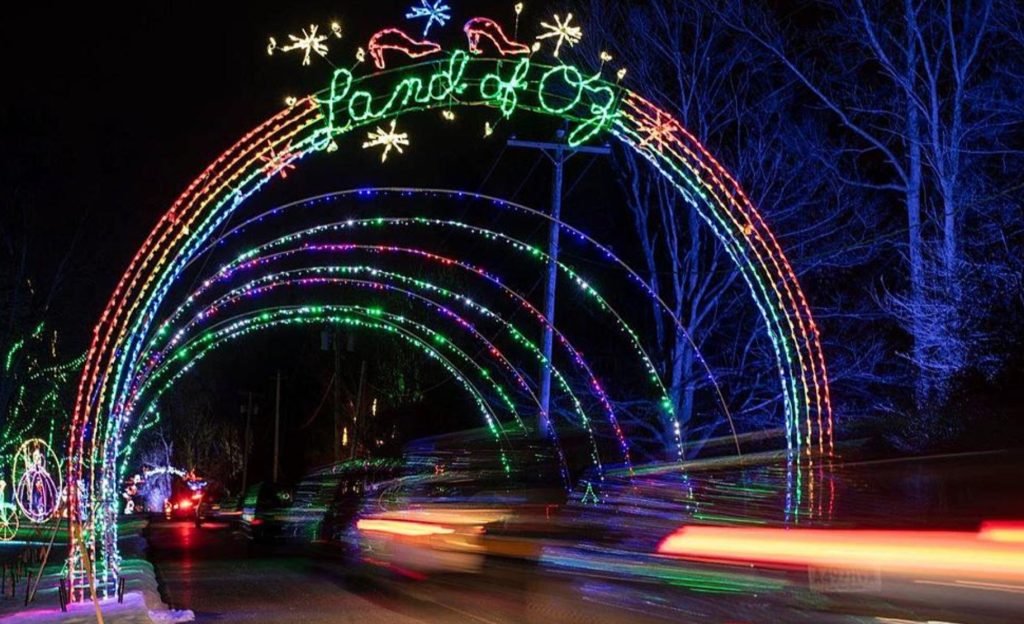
<point x="513" y="82"/>
<point x="300" y="260"/>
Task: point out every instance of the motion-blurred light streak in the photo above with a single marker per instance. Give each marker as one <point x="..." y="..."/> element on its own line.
<point x="923" y="553"/>
<point x="403" y="527"/>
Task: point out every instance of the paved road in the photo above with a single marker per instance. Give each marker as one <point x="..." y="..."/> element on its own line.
<point x="216" y="574"/>
<point x="213" y="572"/>
<point x="219" y="576"/>
<point x="222" y="578"/>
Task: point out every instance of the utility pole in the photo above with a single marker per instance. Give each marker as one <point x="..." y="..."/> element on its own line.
<point x="558" y="153"/>
<point x="277" y="425"/>
<point x="330" y="338"/>
<point x="336" y="342"/>
<point x="355" y="413"/>
<point x="250" y="408"/>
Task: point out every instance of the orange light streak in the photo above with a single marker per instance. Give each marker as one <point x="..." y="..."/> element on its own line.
<point x="925" y="553"/>
<point x="403" y="527"/>
<point x="1009" y="532"/>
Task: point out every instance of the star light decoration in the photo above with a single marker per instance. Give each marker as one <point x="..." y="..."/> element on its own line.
<point x="389" y="139"/>
<point x="278" y="163"/>
<point x="659" y="130"/>
<point x="562" y="32"/>
<point x="438" y="13"/>
<point x="308" y="43"/>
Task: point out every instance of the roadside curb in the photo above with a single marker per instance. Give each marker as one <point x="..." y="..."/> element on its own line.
<point x="142" y="584"/>
<point x="142" y="602"/>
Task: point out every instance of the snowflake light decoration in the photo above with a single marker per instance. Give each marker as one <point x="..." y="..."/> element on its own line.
<point x="278" y="163"/>
<point x="562" y="32"/>
<point x="390" y="139"/>
<point x="309" y="43"/>
<point x="439" y="13"/>
<point x="659" y="131"/>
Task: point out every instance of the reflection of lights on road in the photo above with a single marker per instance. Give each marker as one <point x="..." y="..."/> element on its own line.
<point x="928" y="553"/>
<point x="884" y="620"/>
<point x="997" y="587"/>
<point x="897" y="621"/>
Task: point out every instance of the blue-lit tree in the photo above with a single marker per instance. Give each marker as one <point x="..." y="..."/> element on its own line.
<point x="730" y="92"/>
<point x="884" y="138"/>
<point x="926" y="95"/>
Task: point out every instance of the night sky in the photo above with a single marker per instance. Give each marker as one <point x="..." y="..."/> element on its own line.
<point x="110" y="113"/>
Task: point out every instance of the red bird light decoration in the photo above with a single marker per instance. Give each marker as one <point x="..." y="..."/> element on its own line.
<point x="485" y="28"/>
<point x="395" y="39"/>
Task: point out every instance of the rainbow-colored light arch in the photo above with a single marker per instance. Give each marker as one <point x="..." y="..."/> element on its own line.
<point x="319" y="124"/>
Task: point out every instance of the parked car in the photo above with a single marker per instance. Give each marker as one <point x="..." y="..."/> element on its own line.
<point x="184" y="502"/>
<point x="328" y="500"/>
<point x="460" y="502"/>
<point x="265" y="512"/>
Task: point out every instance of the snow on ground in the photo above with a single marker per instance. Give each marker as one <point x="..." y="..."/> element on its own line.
<point x="133" y="611"/>
<point x="142" y="603"/>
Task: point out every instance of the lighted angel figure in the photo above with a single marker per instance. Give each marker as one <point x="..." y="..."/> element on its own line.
<point x="36" y="460"/>
<point x="35" y="491"/>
